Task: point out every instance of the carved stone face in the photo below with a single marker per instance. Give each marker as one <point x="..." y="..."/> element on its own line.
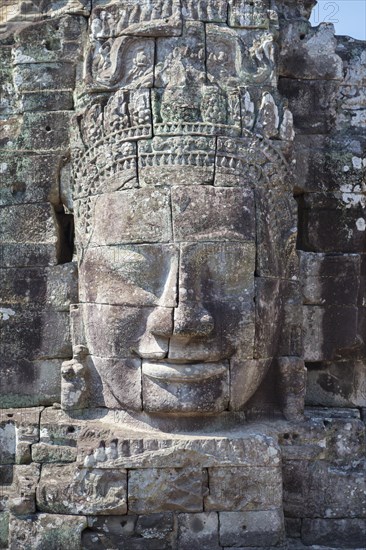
<point x="183" y="218"/>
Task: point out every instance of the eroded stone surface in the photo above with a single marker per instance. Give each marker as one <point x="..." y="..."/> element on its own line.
<point x="168" y="130"/>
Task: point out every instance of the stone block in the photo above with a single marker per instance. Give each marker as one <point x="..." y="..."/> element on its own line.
<point x="312" y="103"/>
<point x="151" y="532"/>
<point x="46" y="531"/>
<point x="200" y="530"/>
<point x="244" y="489"/>
<point x="121" y="331"/>
<point x="115" y="383"/>
<point x="28" y="255"/>
<point x="351" y="53"/>
<point x="268" y="315"/>
<point x="244" y="14"/>
<point x="342" y="533"/>
<point x="331" y="164"/>
<point x="27" y="178"/>
<point x="336" y="384"/>
<point x="54" y="287"/>
<point x="19" y="428"/>
<point x="292" y="386"/>
<point x="209" y="10"/>
<point x="43" y="453"/>
<point x="244" y="377"/>
<point x="51" y="40"/>
<point x="324" y="489"/>
<point x="293" y="528"/>
<point x="23" y="490"/>
<point x="28" y="224"/>
<point x="329" y="223"/>
<point x="315" y="47"/>
<point x="30" y="383"/>
<point x="66" y="489"/>
<point x="45" y="131"/>
<point x="4" y="529"/>
<point x="330" y="279"/>
<point x="54" y="100"/>
<point x="330" y="333"/>
<point x="263" y="528"/>
<point x="146" y="20"/>
<point x="245" y="450"/>
<point x="165" y="490"/>
<point x="35" y="77"/>
<point x="139" y="216"/>
<point x="276" y="223"/>
<point x="133" y="275"/>
<point x="34" y="334"/>
<point x="198" y="214"/>
<point x="198" y="388"/>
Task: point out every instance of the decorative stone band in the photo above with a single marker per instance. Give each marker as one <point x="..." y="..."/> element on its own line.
<point x="123" y="158"/>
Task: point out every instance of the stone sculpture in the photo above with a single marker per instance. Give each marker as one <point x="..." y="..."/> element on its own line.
<point x="185" y="221"/>
<point x="182" y="231"/>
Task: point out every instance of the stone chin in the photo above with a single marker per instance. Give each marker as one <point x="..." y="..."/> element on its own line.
<point x="185" y="388"/>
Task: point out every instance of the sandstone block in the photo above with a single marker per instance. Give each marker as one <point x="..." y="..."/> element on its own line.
<point x="46" y="531"/>
<point x="140" y="216"/>
<point x="316" y="47"/>
<point x="66" y="489"/>
<point x="30" y="383"/>
<point x="198" y="213"/>
<point x="151" y="532"/>
<point x="49" y="40"/>
<point x="244" y="489"/>
<point x="200" y="388"/>
<point x="336" y="384"/>
<point x="264" y="528"/>
<point x="45" y="131"/>
<point x="43" y="453"/>
<point x="322" y="489"/>
<point x="201" y="530"/>
<point x="330" y="333"/>
<point x="58" y="100"/>
<point x="330" y="279"/>
<point x="164" y="490"/>
<point x="135" y="275"/>
<point x="44" y="76"/>
<point x="327" y="225"/>
<point x="342" y="533"/>
<point x="312" y="102"/>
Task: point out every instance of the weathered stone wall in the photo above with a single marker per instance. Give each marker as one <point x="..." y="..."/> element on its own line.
<point x="323" y="78"/>
<point x="108" y="479"/>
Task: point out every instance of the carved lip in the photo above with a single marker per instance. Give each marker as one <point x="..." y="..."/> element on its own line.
<point x="170" y="372"/>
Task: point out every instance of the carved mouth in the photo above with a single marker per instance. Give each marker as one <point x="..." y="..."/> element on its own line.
<point x="175" y="372"/>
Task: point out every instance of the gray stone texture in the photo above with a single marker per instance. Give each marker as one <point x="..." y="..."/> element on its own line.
<point x="182" y="249"/>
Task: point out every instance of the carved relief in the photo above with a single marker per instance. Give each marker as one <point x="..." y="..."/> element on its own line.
<point x="188" y="172"/>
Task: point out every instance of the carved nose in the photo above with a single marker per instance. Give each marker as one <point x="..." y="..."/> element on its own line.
<point x="192" y="320"/>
